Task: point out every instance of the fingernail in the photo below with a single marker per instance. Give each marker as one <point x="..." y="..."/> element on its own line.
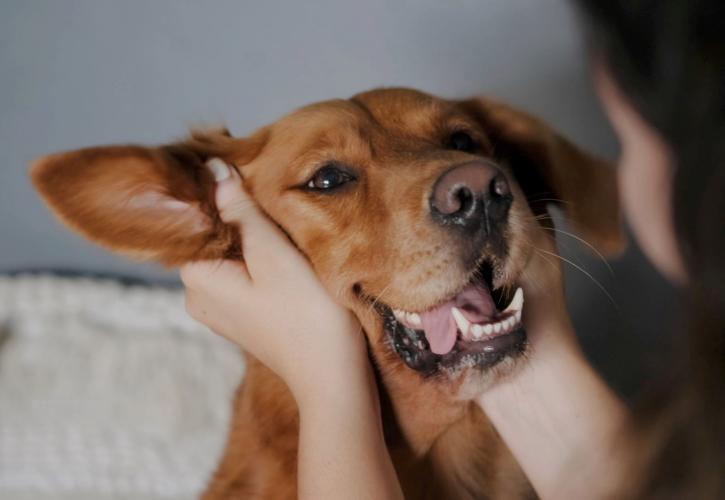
<point x="218" y="168"/>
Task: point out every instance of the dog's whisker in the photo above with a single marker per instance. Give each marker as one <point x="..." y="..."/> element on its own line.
<point x="543" y="217"/>
<point x="379" y="296"/>
<point x="546" y="259"/>
<point x="578" y="238"/>
<point x="587" y="244"/>
<point x="585" y="272"/>
<point x="535" y="283"/>
<point x="552" y="200"/>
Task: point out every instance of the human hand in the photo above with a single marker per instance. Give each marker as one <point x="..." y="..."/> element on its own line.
<point x="272" y="304"/>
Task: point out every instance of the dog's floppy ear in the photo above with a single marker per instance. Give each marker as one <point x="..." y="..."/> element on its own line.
<point x="147" y="203"/>
<point x="552" y="169"/>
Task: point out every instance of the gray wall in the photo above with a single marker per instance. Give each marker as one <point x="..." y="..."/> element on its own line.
<point x="85" y="72"/>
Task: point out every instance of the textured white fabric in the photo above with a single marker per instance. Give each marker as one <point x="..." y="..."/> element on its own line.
<point x="108" y="392"/>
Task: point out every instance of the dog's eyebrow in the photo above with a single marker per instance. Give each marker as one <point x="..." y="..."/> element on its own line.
<point x="360" y="105"/>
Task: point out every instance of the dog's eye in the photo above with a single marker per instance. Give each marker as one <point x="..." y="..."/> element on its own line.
<point x="329" y="177"/>
<point x="461" y="141"/>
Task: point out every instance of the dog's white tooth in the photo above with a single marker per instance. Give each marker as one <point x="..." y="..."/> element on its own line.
<point x="399" y="315"/>
<point x="460" y="320"/>
<point x="488" y="329"/>
<point x="518" y="316"/>
<point x="414" y="319"/>
<point x="497" y="327"/>
<point x="517" y="303"/>
<point x="510" y="323"/>
<point x="477" y="331"/>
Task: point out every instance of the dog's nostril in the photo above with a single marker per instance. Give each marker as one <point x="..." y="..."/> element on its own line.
<point x="464" y="200"/>
<point x="500" y="186"/>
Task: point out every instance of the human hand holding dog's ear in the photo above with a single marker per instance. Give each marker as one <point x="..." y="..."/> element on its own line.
<point x="276" y="309"/>
<point x="272" y="304"/>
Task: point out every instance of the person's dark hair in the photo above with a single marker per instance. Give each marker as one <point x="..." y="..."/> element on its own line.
<point x="668" y="59"/>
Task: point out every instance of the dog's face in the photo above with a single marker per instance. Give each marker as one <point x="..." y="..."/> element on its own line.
<point x="416" y="212"/>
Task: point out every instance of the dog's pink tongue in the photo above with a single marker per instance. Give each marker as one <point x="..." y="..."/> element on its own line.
<point x="439" y="326"/>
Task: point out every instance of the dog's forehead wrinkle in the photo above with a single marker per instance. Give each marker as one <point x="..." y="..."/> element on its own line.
<point x="328" y="115"/>
<point x="310" y="143"/>
<point x="406" y="112"/>
<point x="392" y="102"/>
<point x="360" y="104"/>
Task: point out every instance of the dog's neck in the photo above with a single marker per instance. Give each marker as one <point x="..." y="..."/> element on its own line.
<point x="417" y="409"/>
<point x="441" y="447"/>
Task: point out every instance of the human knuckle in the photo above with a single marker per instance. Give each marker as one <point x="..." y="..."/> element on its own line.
<point x="239" y="208"/>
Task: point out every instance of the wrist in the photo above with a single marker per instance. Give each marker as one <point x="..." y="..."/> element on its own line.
<point x="326" y="369"/>
<point x="553" y="358"/>
<point x="347" y="386"/>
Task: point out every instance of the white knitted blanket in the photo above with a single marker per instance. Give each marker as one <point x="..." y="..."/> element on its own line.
<point x="108" y="392"/>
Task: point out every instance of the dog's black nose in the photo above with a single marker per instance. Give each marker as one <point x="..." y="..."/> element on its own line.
<point x="473" y="195"/>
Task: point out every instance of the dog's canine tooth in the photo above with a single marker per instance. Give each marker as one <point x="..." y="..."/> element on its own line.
<point x="461" y="321"/>
<point x="518" y="316"/>
<point x="510" y="323"/>
<point x="477" y="331"/>
<point x="517" y="303"/>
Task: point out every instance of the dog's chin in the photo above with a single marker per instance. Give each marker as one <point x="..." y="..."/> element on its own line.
<point x="477" y="348"/>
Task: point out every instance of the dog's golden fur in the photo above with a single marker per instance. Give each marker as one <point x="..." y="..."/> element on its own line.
<point x="371" y="241"/>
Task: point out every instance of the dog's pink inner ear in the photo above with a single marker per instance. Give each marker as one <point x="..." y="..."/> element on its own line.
<point x="147" y="203"/>
<point x="179" y="215"/>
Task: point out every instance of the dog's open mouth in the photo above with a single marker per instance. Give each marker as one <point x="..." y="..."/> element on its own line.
<point x="478" y="327"/>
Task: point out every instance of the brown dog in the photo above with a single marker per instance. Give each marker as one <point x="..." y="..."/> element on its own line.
<point x="417" y="212"/>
